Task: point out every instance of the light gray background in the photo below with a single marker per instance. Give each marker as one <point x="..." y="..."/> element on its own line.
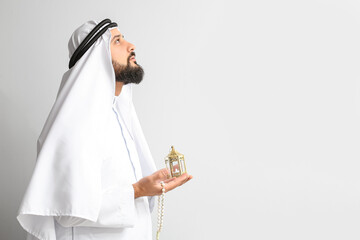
<point x="262" y="97"/>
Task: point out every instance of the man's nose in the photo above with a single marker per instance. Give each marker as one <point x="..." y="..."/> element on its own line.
<point x="131" y="47"/>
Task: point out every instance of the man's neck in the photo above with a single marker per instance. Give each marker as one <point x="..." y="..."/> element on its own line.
<point x="118" y="88"/>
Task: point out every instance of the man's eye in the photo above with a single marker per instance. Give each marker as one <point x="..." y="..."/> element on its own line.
<point x="117" y="40"/>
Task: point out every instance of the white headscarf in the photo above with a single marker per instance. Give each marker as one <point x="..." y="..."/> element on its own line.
<point x="67" y="175"/>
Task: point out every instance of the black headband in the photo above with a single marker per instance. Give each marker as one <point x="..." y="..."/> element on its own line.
<point x="86" y="44"/>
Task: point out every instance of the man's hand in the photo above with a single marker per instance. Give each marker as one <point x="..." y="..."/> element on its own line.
<point x="150" y="185"/>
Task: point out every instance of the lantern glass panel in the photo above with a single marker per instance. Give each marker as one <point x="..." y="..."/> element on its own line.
<point x="175" y="168"/>
<point x="182" y="166"/>
<point x="167" y="163"/>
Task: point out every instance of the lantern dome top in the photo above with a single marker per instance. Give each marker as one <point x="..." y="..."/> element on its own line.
<point x="173" y="153"/>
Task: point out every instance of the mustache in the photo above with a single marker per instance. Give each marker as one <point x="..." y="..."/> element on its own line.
<point x="131" y="54"/>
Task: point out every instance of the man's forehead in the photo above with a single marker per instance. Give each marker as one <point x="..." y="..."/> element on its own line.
<point x="115" y="31"/>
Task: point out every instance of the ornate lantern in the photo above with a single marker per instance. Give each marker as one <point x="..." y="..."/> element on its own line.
<point x="175" y="163"/>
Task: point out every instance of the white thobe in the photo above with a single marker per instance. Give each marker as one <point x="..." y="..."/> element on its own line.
<point x="121" y="216"/>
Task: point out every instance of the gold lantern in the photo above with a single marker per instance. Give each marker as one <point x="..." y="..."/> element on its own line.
<point x="175" y="163"/>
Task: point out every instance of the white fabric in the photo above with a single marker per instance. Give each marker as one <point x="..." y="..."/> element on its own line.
<point x="120" y="170"/>
<point x="72" y="151"/>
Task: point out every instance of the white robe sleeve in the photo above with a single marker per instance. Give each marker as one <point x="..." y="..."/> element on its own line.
<point x="117" y="210"/>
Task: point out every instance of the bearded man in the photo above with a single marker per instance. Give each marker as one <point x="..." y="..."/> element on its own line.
<point x="94" y="176"/>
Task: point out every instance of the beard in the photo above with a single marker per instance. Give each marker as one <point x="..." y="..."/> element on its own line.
<point x="127" y="73"/>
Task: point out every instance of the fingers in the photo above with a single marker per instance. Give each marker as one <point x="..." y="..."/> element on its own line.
<point x="162" y="174"/>
<point x="169" y="180"/>
<point x="176" y="182"/>
<point x="189" y="178"/>
<point x="186" y="178"/>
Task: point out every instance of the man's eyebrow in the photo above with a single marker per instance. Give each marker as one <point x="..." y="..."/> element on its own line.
<point x="119" y="35"/>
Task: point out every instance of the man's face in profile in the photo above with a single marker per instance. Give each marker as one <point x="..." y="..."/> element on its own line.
<point x="123" y="59"/>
